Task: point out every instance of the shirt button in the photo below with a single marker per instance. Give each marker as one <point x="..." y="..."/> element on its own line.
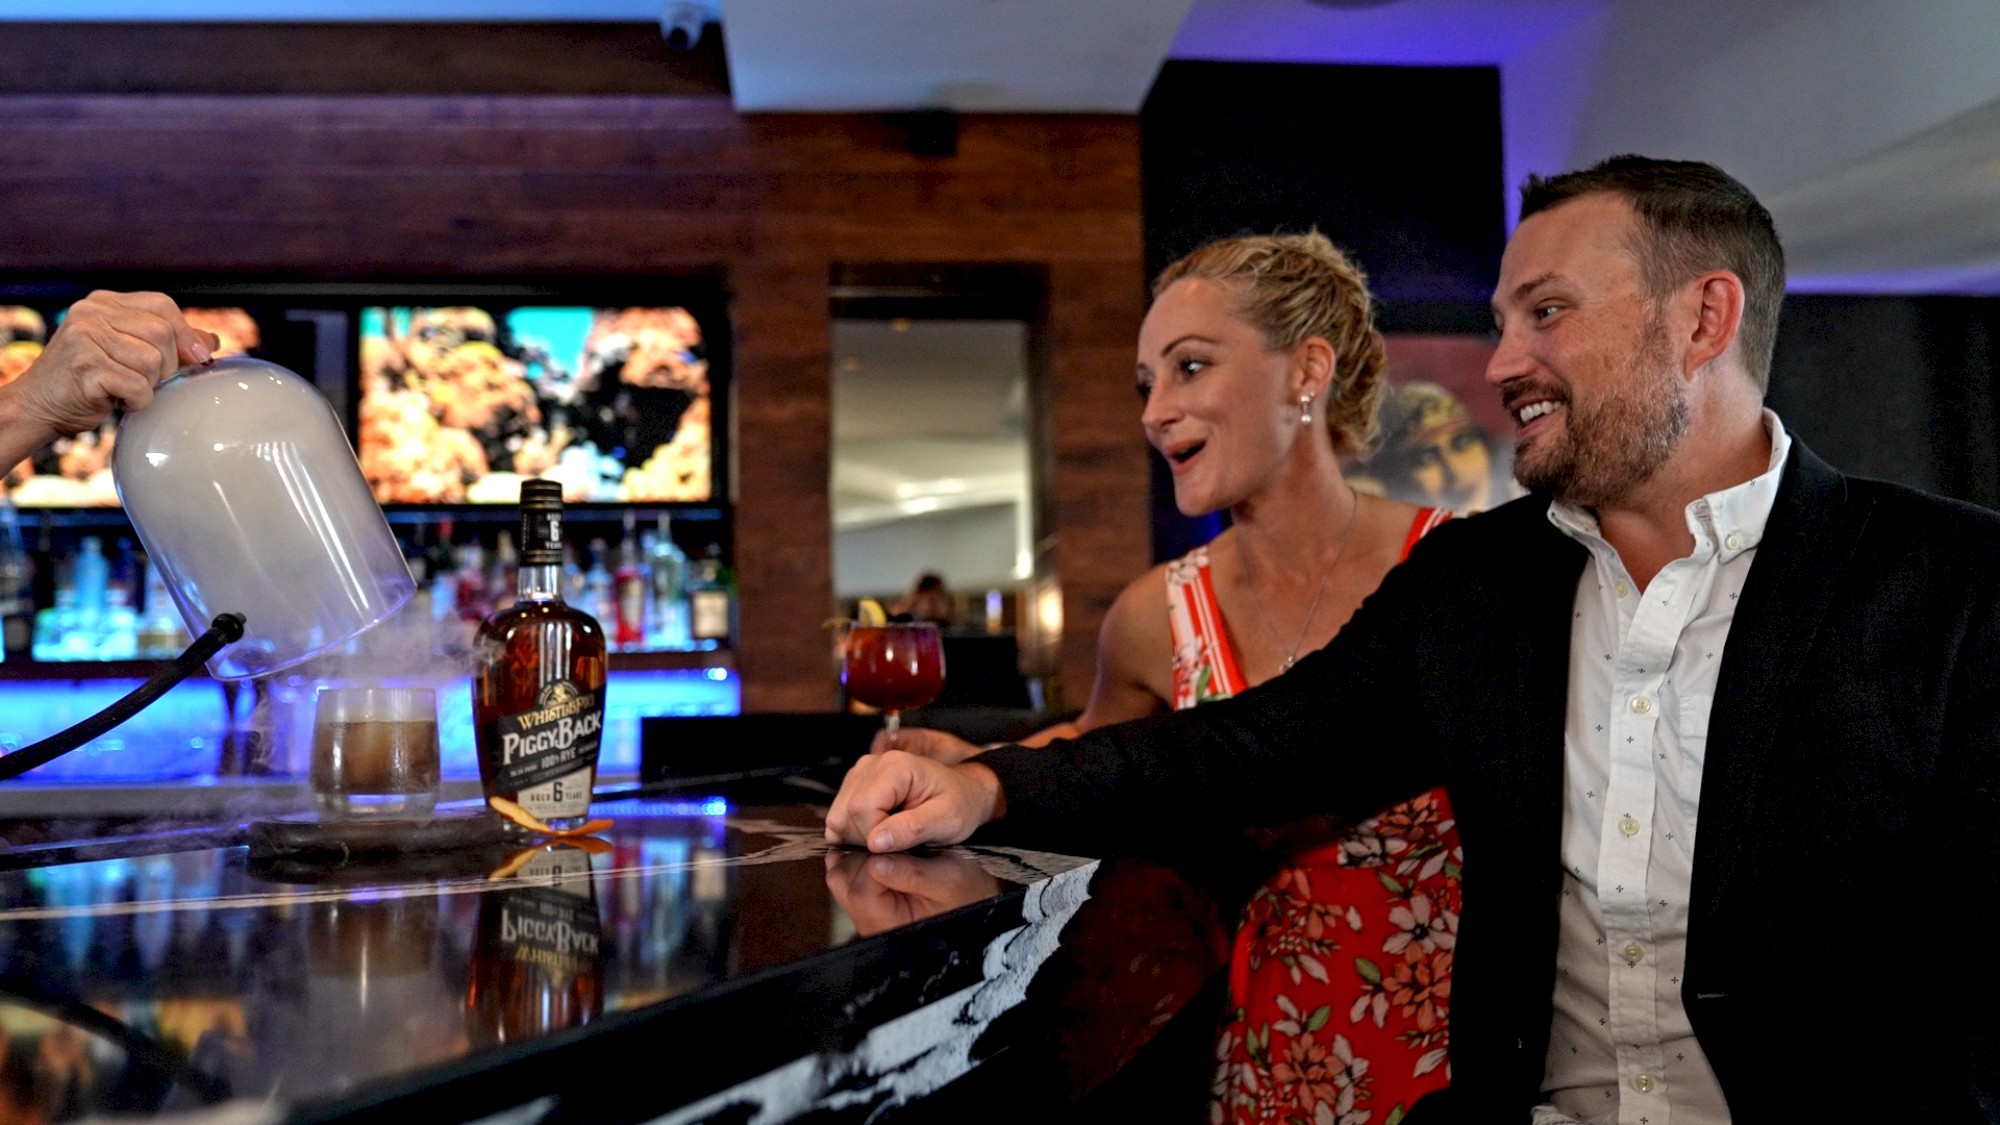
<point x="1628" y="825"/>
<point x="1644" y="1083"/>
<point x="1641" y="705"/>
<point x="1733" y="542"/>
<point x="1621" y="588"/>
<point x="1634" y="952"/>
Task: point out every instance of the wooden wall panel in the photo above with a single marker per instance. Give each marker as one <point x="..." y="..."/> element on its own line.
<point x="310" y="187"/>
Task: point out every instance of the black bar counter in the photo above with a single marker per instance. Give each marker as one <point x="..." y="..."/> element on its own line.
<point x="706" y="958"/>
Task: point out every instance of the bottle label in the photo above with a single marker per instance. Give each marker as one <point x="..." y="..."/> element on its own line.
<point x="549" y="753"/>
<point x="711" y="614"/>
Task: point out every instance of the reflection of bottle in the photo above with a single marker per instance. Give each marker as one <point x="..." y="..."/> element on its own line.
<point x="538" y="960"/>
<point x="538" y="691"/>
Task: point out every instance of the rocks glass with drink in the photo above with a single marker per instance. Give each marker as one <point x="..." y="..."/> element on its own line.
<point x="375" y="752"/>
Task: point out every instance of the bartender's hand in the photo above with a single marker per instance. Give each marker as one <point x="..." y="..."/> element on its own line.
<point x="894" y="801"/>
<point x="933" y="744"/>
<point x="108" y="353"/>
<point x="882" y="892"/>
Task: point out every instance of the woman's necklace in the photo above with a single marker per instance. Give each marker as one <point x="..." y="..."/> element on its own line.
<point x="1292" y="655"/>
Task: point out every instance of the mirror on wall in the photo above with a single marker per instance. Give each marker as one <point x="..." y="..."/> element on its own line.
<point x="936" y="423"/>
<point x="930" y="456"/>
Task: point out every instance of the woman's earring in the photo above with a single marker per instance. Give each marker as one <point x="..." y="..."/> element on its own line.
<point x="1305" y="410"/>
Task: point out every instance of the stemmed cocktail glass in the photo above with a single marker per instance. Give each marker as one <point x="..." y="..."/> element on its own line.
<point x="893" y="667"/>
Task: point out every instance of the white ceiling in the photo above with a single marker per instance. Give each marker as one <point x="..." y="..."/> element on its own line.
<point x="1871" y="127"/>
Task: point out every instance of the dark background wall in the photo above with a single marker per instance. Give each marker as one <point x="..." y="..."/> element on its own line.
<point x="1398" y="166"/>
<point x="1898" y="388"/>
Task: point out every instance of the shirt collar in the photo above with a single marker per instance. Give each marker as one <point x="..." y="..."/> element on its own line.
<point x="1731" y="519"/>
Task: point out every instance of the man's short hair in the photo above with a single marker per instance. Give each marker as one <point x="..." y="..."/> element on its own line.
<point x="1697" y="218"/>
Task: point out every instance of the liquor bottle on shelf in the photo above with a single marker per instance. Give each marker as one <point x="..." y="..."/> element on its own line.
<point x="473" y="604"/>
<point x="500" y="576"/>
<point x="118" y="632"/>
<point x="444" y="597"/>
<point x="712" y="602"/>
<point x="629" y="583"/>
<point x="538" y="689"/>
<point x="91" y="575"/>
<point x="17" y="586"/>
<point x="572" y="575"/>
<point x="598" y="599"/>
<point x="443" y="570"/>
<point x="161" y="633"/>
<point x="667" y="565"/>
<point x="48" y="569"/>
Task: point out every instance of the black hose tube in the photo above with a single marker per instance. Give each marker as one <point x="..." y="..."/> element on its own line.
<point x="226" y="629"/>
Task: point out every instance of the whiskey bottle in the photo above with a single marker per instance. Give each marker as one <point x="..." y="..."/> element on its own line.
<point x="538" y="691"/>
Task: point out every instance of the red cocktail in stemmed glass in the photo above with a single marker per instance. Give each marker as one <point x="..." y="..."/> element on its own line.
<point x="893" y="667"/>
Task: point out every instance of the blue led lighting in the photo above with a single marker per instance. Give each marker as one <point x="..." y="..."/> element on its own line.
<point x="685" y="806"/>
<point x="185" y="735"/>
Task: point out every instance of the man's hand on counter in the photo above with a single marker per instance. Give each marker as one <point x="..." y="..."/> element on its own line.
<point x="894" y="801"/>
<point x="882" y="892"/>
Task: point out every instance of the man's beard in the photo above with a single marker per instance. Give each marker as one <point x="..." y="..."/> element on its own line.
<point x="1617" y="443"/>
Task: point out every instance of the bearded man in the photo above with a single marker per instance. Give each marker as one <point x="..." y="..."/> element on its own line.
<point x="1692" y="628"/>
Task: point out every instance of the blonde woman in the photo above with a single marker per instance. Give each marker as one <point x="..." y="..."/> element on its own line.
<point x="1261" y="369"/>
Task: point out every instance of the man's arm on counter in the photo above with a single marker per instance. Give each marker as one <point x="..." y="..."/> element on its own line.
<point x="1324" y="737"/>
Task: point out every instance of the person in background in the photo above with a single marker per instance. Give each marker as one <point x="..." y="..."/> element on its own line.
<point x="928" y="600"/>
<point x="108" y="353"/>
<point x="1260" y="368"/>
<point x="1692" y="626"/>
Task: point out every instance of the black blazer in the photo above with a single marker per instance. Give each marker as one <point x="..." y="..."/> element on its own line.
<point x="1841" y="942"/>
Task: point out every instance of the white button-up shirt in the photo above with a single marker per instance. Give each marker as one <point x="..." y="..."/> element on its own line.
<point x="1642" y="677"/>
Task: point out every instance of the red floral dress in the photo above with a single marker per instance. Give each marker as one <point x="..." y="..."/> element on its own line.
<point x="1340" y="978"/>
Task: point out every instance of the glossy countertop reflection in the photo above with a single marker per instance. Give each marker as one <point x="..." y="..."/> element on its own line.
<point x="150" y="983"/>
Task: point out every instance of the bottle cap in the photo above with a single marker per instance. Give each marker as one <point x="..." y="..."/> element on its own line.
<point x="541" y="523"/>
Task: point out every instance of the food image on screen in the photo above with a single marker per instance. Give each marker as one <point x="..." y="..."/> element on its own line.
<point x="460" y="404"/>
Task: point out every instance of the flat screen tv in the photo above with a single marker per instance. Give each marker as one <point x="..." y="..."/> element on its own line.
<point x="458" y="401"/>
<point x="452" y="392"/>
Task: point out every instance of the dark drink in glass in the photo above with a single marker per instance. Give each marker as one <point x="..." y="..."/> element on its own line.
<point x="375" y="752"/>
<point x="893" y="667"/>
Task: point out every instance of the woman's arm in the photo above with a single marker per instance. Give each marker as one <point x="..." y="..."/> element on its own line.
<point x="1134" y="677"/>
<point x="1134" y="662"/>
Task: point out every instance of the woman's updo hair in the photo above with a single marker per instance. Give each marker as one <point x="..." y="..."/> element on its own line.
<point x="1295" y="286"/>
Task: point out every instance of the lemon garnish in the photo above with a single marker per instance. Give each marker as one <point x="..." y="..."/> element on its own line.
<point x="870" y="612"/>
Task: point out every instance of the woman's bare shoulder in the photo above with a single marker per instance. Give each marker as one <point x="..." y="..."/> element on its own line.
<point x="1135" y="645"/>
